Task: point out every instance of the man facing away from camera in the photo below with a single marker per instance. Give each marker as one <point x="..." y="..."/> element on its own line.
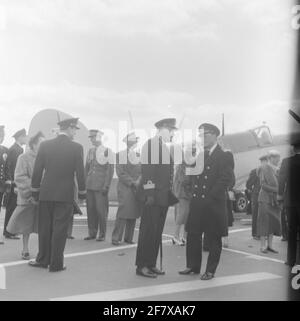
<point x="57" y="162"/>
<point x="208" y="206"/>
<point x="98" y="180"/>
<point x="156" y="196"/>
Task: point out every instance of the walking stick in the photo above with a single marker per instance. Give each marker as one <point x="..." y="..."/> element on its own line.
<point x="161" y="253"/>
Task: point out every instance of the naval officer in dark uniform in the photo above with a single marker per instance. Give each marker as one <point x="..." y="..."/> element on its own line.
<point x="3" y="157"/>
<point x="208" y="206"/>
<point x="288" y="196"/>
<point x="13" y="153"/>
<point x="57" y="162"/>
<point x="155" y="195"/>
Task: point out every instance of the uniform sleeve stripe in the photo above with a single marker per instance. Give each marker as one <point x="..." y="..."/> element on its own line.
<point x="81" y="192"/>
<point x="33" y="189"/>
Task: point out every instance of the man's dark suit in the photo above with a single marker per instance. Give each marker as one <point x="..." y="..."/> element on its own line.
<point x="12" y="156"/>
<point x="3" y="158"/>
<point x="160" y="173"/>
<point x="289" y="187"/>
<point x="53" y="184"/>
<point x="208" y="210"/>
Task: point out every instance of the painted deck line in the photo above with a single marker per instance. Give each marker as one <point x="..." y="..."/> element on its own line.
<point x="170" y="288"/>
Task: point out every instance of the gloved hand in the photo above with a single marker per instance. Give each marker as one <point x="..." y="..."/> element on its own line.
<point x="8" y="185"/>
<point x="135" y="185"/>
<point x="149" y="200"/>
<point x="33" y="201"/>
<point x="104" y="191"/>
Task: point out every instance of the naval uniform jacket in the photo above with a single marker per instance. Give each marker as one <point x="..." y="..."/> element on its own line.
<point x="3" y="158"/>
<point x="208" y="203"/>
<point x="289" y="181"/>
<point x="157" y="169"/>
<point x="56" y="163"/>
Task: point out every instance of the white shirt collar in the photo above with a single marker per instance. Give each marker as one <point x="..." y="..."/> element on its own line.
<point x="213" y="148"/>
<point x="62" y="133"/>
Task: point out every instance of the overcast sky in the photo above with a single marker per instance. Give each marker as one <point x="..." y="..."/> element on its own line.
<point x="97" y="59"/>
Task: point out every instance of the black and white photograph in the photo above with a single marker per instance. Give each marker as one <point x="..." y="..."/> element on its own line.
<point x="149" y="152"/>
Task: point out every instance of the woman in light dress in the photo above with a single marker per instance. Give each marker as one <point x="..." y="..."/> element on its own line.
<point x="24" y="218"/>
<point x="268" y="221"/>
<point x="182" y="190"/>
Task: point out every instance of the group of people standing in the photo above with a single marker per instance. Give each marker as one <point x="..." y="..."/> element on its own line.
<point x="45" y="185"/>
<point x="16" y="170"/>
<point x="274" y="204"/>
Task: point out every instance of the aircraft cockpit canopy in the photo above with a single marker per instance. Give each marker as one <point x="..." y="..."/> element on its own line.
<point x="258" y="137"/>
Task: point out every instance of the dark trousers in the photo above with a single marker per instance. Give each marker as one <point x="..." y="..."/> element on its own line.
<point x="70" y="226"/>
<point x="122" y="224"/>
<point x="150" y="235"/>
<point x="194" y="251"/>
<point x="10" y="207"/>
<point x="1" y="199"/>
<point x="54" y="218"/>
<point x="205" y="242"/>
<point x="254" y="205"/>
<point x="97" y="211"/>
<point x="284" y="223"/>
<point x="293" y="230"/>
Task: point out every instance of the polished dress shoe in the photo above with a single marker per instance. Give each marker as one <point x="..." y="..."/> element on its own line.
<point x="188" y="271"/>
<point x="11" y="237"/>
<point x="272" y="250"/>
<point x="207" y="276"/>
<point x="37" y="265"/>
<point x="71" y="237"/>
<point x="155" y="270"/>
<point x="145" y="272"/>
<point x="100" y="239"/>
<point x="116" y="243"/>
<point x="58" y="270"/>
<point x="88" y="238"/>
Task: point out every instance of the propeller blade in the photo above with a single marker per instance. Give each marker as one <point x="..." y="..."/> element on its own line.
<point x="294" y="115"/>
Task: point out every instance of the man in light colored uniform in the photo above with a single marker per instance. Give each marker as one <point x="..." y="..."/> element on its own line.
<point x="98" y="180"/>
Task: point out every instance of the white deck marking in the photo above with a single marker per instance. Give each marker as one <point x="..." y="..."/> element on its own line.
<point x="170" y="288"/>
<point x="230" y="231"/>
<point x="239" y="230"/>
<point x="2" y="277"/>
<point x="108" y="249"/>
<point x="254" y="256"/>
<point x="116" y="248"/>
